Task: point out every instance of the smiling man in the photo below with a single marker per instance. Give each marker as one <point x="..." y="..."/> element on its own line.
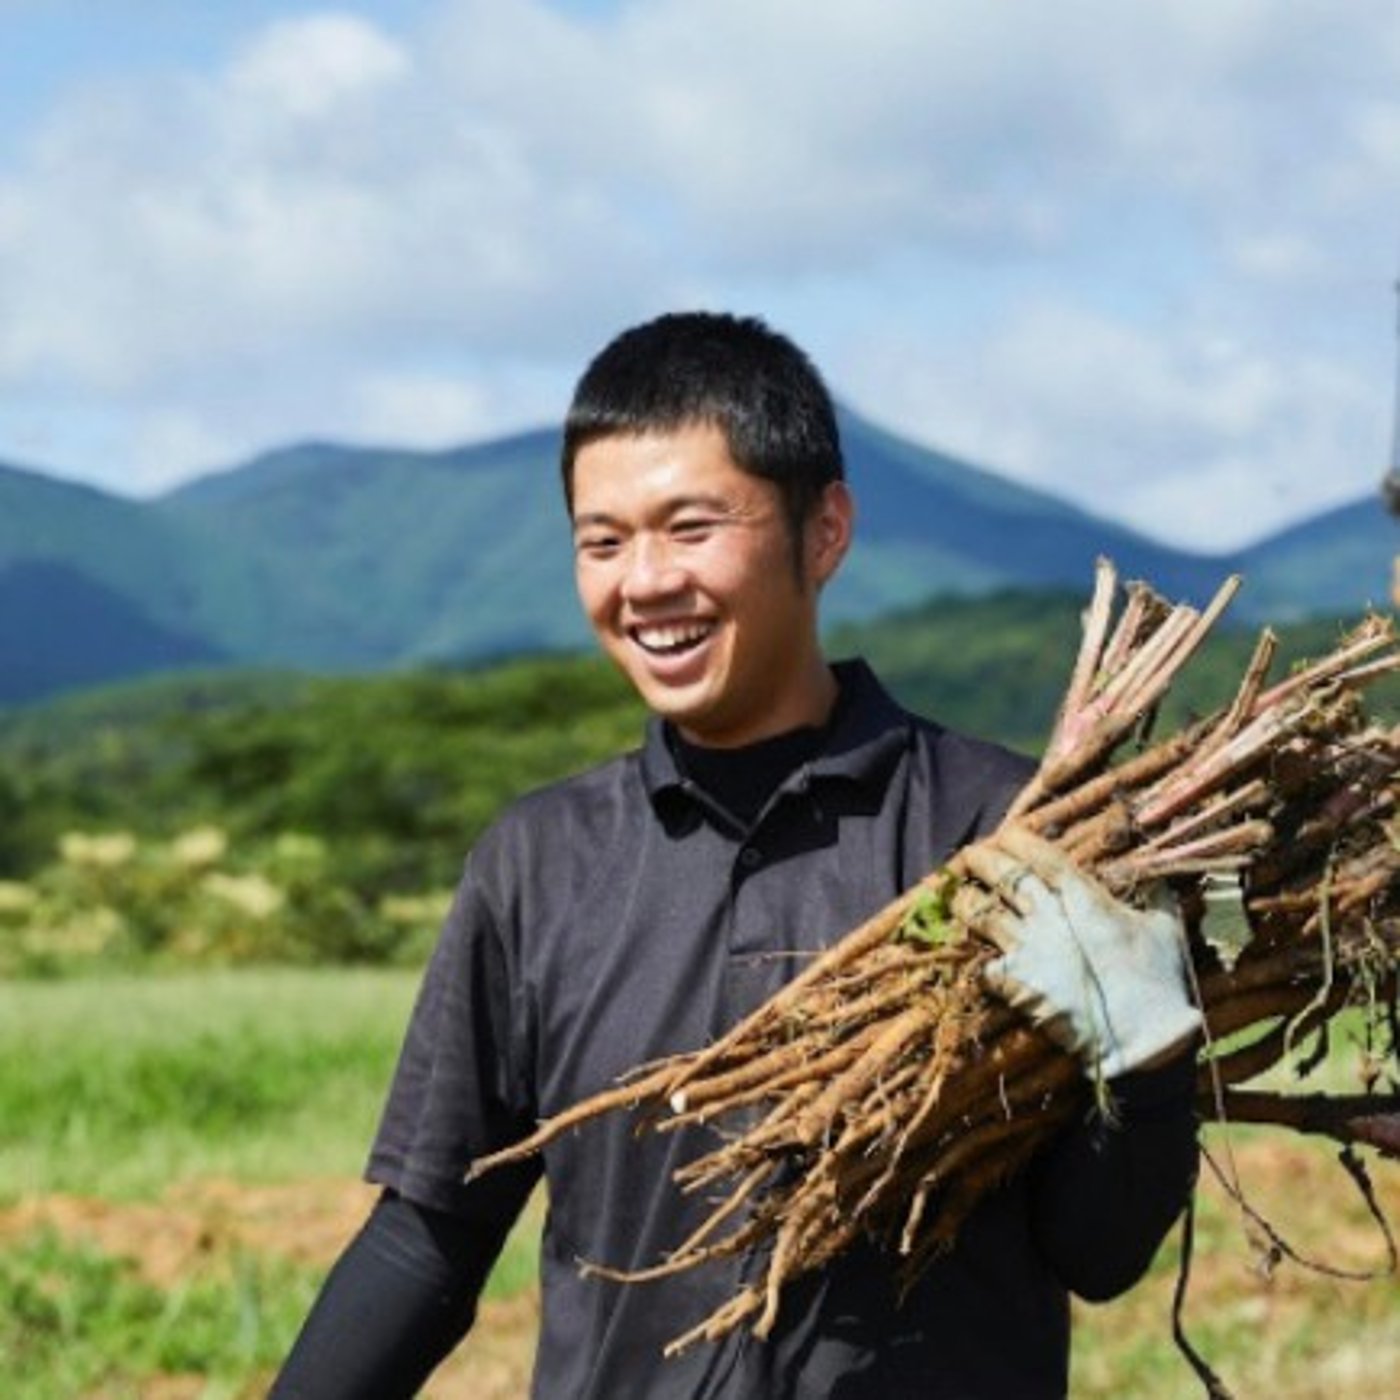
<point x="641" y="908"/>
<point x="697" y="587"/>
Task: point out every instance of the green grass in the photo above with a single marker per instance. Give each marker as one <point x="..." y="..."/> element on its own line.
<point x="1288" y="1331"/>
<point x="128" y="1088"/>
<point x="119" y="1086"/>
<point x="135" y="1090"/>
<point x="77" y="1321"/>
<point x="1284" y="1327"/>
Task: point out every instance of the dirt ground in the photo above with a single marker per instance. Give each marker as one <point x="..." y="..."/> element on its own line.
<point x="309" y="1222"/>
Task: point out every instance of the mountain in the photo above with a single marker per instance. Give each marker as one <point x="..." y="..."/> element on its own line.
<point x="428" y="556"/>
<point x="90" y="633"/>
<point x="385" y="557"/>
<point x="930" y="524"/>
<point x="335" y="558"/>
<point x="1334" y="562"/>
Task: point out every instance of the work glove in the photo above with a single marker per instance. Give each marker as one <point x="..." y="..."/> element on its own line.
<point x="1105" y="980"/>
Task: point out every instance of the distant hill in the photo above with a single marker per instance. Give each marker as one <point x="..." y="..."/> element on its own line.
<point x="330" y="558"/>
<point x="90" y="632"/>
<point x="382" y="557"/>
<point x="1333" y="562"/>
<point x="929" y="524"/>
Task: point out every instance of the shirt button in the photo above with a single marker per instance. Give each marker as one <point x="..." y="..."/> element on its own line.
<point x="750" y="857"/>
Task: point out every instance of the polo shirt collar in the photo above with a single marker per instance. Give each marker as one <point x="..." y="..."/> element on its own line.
<point x="870" y="733"/>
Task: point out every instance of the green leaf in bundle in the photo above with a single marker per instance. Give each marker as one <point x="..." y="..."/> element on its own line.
<point x="930" y="920"/>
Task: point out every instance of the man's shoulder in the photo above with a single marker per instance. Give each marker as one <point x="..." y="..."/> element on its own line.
<point x="972" y="752"/>
<point x="975" y="773"/>
<point x="611" y="785"/>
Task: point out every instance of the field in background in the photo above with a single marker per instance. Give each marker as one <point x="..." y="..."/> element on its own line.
<point x="180" y="1141"/>
<point x="178" y="1159"/>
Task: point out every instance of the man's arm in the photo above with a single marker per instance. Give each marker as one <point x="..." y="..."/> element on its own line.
<point x="1108" y="982"/>
<point x="405" y="1290"/>
<point x="399" y="1298"/>
<point x="1107" y="1191"/>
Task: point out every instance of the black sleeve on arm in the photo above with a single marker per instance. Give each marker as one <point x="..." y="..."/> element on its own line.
<point x="1107" y="1191"/>
<point x="400" y="1297"/>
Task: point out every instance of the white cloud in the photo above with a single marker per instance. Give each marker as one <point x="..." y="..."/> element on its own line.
<point x="421" y="411"/>
<point x="1061" y="239"/>
<point x="309" y="200"/>
<point x="1188" y="436"/>
<point x="434" y="408"/>
<point x="314" y="68"/>
<point x="819" y="131"/>
<point x="1281" y="256"/>
<point x="167" y="442"/>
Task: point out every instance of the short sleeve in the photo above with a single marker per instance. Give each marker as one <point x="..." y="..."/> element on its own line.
<point x="459" y="1090"/>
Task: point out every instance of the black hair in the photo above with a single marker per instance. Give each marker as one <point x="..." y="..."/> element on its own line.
<point x="735" y="373"/>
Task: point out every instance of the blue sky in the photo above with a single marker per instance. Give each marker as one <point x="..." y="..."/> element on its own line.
<point x="1140" y="256"/>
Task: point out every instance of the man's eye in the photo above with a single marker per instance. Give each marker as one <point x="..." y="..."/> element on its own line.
<point x="692" y="527"/>
<point x="598" y="546"/>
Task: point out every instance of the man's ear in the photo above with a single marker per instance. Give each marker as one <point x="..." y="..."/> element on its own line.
<point x="828" y="534"/>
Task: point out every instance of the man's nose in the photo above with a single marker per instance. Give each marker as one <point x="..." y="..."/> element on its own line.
<point x="653" y="569"/>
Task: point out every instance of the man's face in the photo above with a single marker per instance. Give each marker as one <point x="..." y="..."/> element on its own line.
<point x="685" y="566"/>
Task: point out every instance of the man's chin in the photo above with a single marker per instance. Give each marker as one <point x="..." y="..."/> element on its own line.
<point x="689" y="719"/>
<point x="678" y="702"/>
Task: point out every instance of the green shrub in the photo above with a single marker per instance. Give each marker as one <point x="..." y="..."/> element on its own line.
<point x="109" y="899"/>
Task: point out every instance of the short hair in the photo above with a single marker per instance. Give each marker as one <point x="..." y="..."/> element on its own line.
<point x="734" y="373"/>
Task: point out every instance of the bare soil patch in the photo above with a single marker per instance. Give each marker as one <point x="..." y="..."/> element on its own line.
<point x="201" y="1225"/>
<point x="195" y="1223"/>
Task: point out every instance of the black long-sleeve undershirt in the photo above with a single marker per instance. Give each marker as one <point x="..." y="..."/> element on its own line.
<point x="404" y="1292"/>
<point x="401" y="1296"/>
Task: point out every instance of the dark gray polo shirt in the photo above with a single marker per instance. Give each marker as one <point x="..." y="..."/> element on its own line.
<point x="617" y="917"/>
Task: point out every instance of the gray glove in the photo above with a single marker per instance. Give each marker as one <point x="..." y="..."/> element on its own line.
<point x="1105" y="980"/>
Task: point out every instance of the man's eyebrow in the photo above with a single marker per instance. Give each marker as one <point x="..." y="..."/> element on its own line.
<point x="702" y="501"/>
<point x="593" y="517"/>
<point x="670" y="508"/>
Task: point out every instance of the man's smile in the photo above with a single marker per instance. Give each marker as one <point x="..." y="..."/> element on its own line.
<point x="671" y="638"/>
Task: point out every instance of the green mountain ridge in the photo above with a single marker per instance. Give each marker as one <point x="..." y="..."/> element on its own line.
<point x="334" y="558"/>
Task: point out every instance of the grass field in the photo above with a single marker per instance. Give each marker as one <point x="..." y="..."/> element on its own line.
<point x="178" y="1162"/>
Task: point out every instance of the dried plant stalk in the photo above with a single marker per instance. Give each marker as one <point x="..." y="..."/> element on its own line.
<point x="887" y="1089"/>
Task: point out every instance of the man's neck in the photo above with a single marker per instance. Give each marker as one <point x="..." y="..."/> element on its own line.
<point x="743" y="778"/>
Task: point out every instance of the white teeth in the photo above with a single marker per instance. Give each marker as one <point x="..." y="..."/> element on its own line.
<point x="671" y="637"/>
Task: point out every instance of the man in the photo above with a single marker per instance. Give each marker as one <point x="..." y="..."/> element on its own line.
<point x="641" y="908"/>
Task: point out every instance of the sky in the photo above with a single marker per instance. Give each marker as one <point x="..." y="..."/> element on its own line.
<point x="1143" y="257"/>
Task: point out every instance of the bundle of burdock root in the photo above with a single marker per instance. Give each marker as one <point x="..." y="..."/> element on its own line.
<point x="886" y="1088"/>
